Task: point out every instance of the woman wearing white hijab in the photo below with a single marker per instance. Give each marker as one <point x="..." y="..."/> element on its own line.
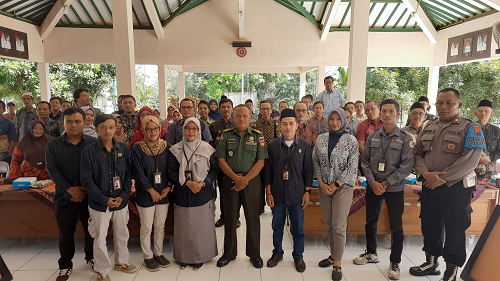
<point x="89" y="129"/>
<point x="193" y="169"/>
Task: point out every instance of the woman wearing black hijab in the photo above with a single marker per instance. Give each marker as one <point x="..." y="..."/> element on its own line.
<point x="335" y="160"/>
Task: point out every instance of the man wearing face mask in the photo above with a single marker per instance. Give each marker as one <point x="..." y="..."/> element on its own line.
<point x="488" y="161"/>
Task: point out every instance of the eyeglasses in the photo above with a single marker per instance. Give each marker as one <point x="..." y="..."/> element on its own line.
<point x="149" y="130"/>
<point x="192" y="129"/>
<point x="301" y="110"/>
<point x="265" y="108"/>
<point x="187" y="107"/>
<point x="417" y="113"/>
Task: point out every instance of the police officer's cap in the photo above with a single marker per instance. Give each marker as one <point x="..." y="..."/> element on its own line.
<point x="417" y="105"/>
<point x="485" y="103"/>
<point x="287" y="112"/>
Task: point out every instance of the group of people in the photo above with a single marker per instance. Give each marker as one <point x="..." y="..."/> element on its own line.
<point x="273" y="160"/>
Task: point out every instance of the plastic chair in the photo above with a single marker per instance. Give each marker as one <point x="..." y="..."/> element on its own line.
<point x="4" y="169"/>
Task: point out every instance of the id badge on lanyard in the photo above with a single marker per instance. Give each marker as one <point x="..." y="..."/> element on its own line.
<point x="157" y="177"/>
<point x="116" y="183"/>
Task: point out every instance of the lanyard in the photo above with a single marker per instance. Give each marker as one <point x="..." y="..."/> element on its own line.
<point x="109" y="162"/>
<point x="387" y="146"/>
<point x="154" y="156"/>
<point x="289" y="154"/>
<point x="190" y="158"/>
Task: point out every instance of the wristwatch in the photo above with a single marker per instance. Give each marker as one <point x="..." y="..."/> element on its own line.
<point x="337" y="184"/>
<point x="387" y="183"/>
<point x="307" y="190"/>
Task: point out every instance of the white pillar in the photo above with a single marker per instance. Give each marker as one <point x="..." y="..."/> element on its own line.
<point x="44" y="77"/>
<point x="162" y="89"/>
<point x="358" y="50"/>
<point x="182" y="93"/>
<point x="321" y="78"/>
<point x="123" y="37"/>
<point x="433" y="87"/>
<point x="302" y="84"/>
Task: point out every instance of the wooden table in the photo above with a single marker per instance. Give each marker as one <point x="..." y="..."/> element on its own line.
<point x="482" y="209"/>
<point x="21" y="215"/>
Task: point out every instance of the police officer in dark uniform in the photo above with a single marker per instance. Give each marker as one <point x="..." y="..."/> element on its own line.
<point x="446" y="153"/>
<point x="386" y="161"/>
<point x="488" y="161"/>
<point x="241" y="152"/>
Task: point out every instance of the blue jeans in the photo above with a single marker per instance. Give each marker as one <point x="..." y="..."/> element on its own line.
<point x="297" y="220"/>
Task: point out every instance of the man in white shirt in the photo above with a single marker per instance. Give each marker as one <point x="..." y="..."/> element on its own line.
<point x="330" y="97"/>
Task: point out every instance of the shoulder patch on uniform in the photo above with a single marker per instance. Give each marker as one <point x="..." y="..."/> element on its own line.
<point x="227" y="130"/>
<point x="474" y="137"/>
<point x="257" y="131"/>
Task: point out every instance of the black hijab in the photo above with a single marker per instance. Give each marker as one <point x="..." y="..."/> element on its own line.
<point x="334" y="136"/>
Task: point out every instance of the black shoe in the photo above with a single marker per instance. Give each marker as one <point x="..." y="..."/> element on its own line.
<point x="274" y="260"/>
<point x="337" y="273"/>
<point x="450" y="273"/>
<point x="300" y="265"/>
<point x="257" y="262"/>
<point x="219" y="223"/>
<point x="238" y="224"/>
<point x="223" y="261"/>
<point x="64" y="274"/>
<point x="326" y="262"/>
<point x="151" y="265"/>
<point x="429" y="267"/>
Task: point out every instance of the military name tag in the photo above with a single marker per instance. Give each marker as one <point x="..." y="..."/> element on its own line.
<point x="116" y="183"/>
<point x="381" y="165"/>
<point x="157" y="176"/>
<point x="286" y="174"/>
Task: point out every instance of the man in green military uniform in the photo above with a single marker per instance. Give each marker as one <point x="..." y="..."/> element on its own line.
<point x="241" y="152"/>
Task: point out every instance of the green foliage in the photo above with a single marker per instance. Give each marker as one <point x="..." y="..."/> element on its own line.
<point x="312" y="83"/>
<point x="147" y="95"/>
<point x="18" y="77"/>
<point x="476" y="81"/>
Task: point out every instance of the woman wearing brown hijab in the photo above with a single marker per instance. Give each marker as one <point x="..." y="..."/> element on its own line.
<point x="28" y="159"/>
<point x="152" y="186"/>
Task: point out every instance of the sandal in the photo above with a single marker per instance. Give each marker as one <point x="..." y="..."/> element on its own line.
<point x="337" y="273"/>
<point x="326" y="262"/>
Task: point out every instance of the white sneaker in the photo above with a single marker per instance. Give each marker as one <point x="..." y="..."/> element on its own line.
<point x="103" y="277"/>
<point x="394" y="273"/>
<point x="366" y="258"/>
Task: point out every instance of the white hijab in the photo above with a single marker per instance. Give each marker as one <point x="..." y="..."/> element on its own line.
<point x="199" y="162"/>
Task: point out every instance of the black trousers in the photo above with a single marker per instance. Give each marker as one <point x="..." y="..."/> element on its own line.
<point x="67" y="218"/>
<point x="263" y="190"/>
<point x="220" y="177"/>
<point x="446" y="208"/>
<point x="395" y="206"/>
<point x="250" y="199"/>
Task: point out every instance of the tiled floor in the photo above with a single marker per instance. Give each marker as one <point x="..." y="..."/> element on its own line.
<point x="35" y="259"/>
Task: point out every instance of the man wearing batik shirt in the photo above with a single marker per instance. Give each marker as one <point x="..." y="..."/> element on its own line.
<point x="216" y="129"/>
<point x="271" y="131"/>
<point x="304" y="130"/>
<point x="129" y="116"/>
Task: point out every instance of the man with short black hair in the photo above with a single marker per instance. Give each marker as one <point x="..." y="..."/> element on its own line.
<point x="372" y="123"/>
<point x="288" y="184"/>
<point x="66" y="105"/>
<point x="119" y="105"/>
<point x="203" y="109"/>
<point x="8" y="136"/>
<point x="55" y="108"/>
<point x="318" y="121"/>
<point x="11" y="113"/>
<point x="25" y="115"/>
<point x="309" y="102"/>
<point x="446" y="153"/>
<point x="249" y="104"/>
<point x="63" y="155"/>
<point x="52" y="128"/>
<point x="129" y="116"/>
<point x="282" y="105"/>
<point x="386" y="161"/>
<point x="82" y="98"/>
<point x="175" y="130"/>
<point x="107" y="177"/>
<point x="330" y="97"/>
<point x="275" y="115"/>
